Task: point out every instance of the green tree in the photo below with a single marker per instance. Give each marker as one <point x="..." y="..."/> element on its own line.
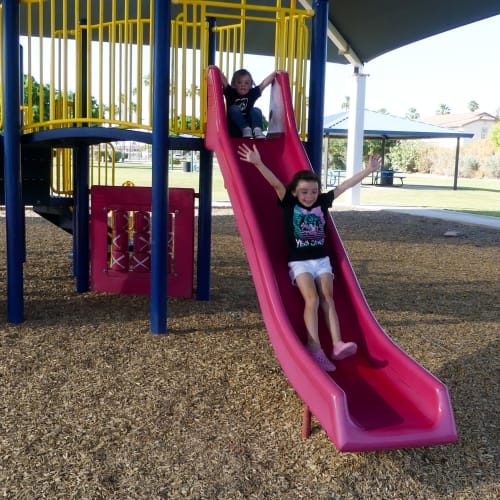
<point x="473" y="106"/>
<point x="404" y="155"/>
<point x="337" y="151"/>
<point x="443" y="109"/>
<point x="372" y="147"/>
<point x="412" y="114"/>
<point x="36" y="115"/>
<point x="494" y="135"/>
<point x="43" y="114"/>
<point x="345" y="105"/>
<point x="189" y="122"/>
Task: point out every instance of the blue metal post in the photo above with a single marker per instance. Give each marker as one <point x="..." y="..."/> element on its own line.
<point x="204" y="225"/>
<point x="12" y="163"/>
<point x="21" y="123"/>
<point x="159" y="209"/>
<point x="81" y="232"/>
<point x="205" y="201"/>
<point x="317" y="84"/>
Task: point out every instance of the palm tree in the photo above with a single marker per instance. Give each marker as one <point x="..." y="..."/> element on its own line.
<point x="473" y="106"/>
<point x="412" y="114"/>
<point x="443" y="110"/>
<point x="345" y="105"/>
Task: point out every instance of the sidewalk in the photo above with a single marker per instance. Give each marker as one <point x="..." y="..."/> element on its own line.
<point x="449" y="215"/>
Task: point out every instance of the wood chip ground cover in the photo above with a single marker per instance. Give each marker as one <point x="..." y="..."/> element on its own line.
<point x="94" y="406"/>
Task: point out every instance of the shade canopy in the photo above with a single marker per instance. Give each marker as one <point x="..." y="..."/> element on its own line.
<point x="374" y="27"/>
<point x="361" y="30"/>
<point x="358" y="31"/>
<point x="386" y="126"/>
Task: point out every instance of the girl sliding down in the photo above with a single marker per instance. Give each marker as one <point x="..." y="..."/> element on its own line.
<point x="305" y="212"/>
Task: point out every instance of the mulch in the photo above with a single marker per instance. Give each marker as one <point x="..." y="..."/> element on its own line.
<point x="94" y="406"/>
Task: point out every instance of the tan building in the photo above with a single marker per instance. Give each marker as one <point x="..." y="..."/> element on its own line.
<point x="476" y="123"/>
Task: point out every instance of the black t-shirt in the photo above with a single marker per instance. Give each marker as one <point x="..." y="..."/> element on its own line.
<point x="244" y="102"/>
<point x="305" y="228"/>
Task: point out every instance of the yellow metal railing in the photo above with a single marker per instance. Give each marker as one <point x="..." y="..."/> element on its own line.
<point x="190" y="29"/>
<point x="84" y="66"/>
<point x="92" y="70"/>
<point x="102" y="168"/>
<point x="61" y="181"/>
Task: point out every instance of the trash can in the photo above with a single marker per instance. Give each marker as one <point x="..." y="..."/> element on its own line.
<point x="186" y="166"/>
<point x="386" y="177"/>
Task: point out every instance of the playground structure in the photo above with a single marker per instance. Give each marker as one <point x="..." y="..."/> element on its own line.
<point x="150" y="42"/>
<point x="95" y="72"/>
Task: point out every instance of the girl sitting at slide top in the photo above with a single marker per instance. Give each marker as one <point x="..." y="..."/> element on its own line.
<point x="305" y="213"/>
<point x="243" y="118"/>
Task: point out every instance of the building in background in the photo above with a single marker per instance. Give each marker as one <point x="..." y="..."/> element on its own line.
<point x="476" y="123"/>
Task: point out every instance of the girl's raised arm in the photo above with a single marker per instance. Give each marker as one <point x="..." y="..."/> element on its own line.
<point x="253" y="156"/>
<point x="267" y="81"/>
<point x="374" y="163"/>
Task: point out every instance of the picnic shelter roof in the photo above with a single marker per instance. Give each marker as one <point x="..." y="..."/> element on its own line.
<point x="387" y="126"/>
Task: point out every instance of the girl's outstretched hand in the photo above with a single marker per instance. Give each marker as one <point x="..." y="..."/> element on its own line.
<point x="374" y="162"/>
<point x="250" y="155"/>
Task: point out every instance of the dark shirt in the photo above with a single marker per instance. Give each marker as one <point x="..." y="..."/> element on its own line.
<point x="305" y="228"/>
<point x="244" y="102"/>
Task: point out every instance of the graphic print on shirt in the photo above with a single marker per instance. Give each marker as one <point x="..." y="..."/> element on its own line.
<point x="308" y="227"/>
<point x="242" y="103"/>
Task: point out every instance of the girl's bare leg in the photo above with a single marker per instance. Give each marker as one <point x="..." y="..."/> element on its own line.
<point x="307" y="287"/>
<point x="325" y="289"/>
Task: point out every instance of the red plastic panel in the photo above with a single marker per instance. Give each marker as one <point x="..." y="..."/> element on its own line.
<point x="120" y="236"/>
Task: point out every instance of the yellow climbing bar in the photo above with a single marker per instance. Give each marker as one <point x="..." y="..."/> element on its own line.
<point x="89" y="63"/>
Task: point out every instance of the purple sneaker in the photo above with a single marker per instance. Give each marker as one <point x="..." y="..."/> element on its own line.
<point x="342" y="350"/>
<point x="323" y="361"/>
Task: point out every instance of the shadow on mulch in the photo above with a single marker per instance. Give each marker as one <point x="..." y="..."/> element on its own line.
<point x="94" y="406"/>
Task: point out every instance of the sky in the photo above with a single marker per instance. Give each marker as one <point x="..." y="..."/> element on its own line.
<point x="452" y="68"/>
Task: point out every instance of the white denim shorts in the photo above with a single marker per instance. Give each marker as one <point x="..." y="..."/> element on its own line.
<point x="315" y="267"/>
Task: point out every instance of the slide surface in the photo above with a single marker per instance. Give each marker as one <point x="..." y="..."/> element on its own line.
<point x="378" y="399"/>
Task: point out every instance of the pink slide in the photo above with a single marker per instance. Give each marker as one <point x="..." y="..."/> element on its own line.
<point x="378" y="399"/>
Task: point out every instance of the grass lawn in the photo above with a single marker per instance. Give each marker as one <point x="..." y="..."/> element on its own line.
<point x="476" y="196"/>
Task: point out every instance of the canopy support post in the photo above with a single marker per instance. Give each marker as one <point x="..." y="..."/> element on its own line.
<point x="355" y="135"/>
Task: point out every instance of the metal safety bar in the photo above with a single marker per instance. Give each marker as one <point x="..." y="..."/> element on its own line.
<point x="90" y="63"/>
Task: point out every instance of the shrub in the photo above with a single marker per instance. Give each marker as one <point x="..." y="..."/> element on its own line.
<point x="404" y="155"/>
<point x="494" y="134"/>
<point x="492" y="166"/>
<point x="481" y="149"/>
<point x="435" y="159"/>
<point x="468" y="166"/>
